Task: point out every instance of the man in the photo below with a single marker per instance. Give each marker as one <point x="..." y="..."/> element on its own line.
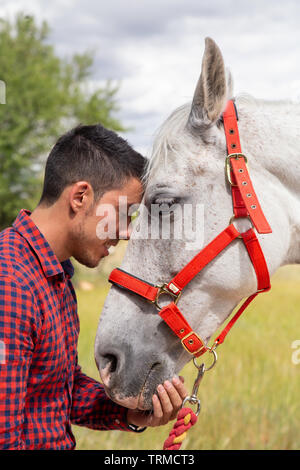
<point x="42" y="387"/>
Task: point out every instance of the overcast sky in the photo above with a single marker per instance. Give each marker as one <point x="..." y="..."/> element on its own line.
<point x="155" y="47"/>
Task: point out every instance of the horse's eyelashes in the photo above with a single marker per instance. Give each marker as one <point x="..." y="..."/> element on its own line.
<point x="165" y="200"/>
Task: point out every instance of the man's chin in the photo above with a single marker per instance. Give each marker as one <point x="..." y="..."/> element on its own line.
<point x="89" y="262"/>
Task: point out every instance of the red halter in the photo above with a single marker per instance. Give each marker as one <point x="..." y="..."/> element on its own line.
<point x="245" y="204"/>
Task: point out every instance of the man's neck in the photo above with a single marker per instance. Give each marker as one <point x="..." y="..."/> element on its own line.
<point x="51" y="223"/>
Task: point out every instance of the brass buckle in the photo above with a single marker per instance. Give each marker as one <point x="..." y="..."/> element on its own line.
<point x="228" y="166"/>
<point x="197" y="336"/>
<point x="162" y="290"/>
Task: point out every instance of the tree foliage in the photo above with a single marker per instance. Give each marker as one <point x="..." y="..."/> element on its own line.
<point x="45" y="96"/>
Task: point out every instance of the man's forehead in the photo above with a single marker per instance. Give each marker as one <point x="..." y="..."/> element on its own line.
<point x="133" y="190"/>
<point x="130" y="193"/>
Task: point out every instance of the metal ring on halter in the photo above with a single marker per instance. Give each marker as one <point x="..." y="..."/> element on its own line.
<point x="193" y="401"/>
<point x="162" y="290"/>
<point x="237" y="218"/>
<point x="212" y="351"/>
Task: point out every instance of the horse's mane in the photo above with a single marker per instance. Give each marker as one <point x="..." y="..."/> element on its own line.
<point x="168" y="138"/>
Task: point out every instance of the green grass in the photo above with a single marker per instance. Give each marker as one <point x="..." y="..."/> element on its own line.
<point x="250" y="400"/>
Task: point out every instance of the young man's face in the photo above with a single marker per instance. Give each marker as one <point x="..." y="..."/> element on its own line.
<point x="105" y="223"/>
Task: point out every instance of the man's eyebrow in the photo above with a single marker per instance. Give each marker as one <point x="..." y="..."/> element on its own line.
<point x="133" y="201"/>
<point x="128" y="203"/>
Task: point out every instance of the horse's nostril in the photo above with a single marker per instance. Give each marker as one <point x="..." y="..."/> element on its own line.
<point x="112" y="361"/>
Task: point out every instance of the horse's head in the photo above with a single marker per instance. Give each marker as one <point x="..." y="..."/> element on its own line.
<point x="135" y="350"/>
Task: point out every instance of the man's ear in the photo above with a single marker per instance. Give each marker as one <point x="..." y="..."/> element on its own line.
<point x="81" y="196"/>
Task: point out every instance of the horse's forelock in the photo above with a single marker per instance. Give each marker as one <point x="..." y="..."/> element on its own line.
<point x="171" y="139"/>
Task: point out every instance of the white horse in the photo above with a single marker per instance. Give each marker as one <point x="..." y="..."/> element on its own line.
<point x="134" y="349"/>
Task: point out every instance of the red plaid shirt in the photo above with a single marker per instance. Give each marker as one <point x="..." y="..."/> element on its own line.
<point x="42" y="388"/>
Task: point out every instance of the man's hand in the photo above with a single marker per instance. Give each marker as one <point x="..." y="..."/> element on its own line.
<point x="166" y="405"/>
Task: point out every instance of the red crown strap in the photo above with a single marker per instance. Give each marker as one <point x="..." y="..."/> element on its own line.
<point x="248" y="195"/>
<point x="231" y="128"/>
<point x="245" y="201"/>
<point x="239" y="208"/>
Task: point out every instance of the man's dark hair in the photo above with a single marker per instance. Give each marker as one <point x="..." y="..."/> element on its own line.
<point x="94" y="154"/>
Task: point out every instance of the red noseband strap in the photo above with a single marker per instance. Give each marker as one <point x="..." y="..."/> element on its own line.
<point x="245" y="204"/>
<point x="127" y="281"/>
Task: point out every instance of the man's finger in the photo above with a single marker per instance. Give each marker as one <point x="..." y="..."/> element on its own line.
<point x="174" y="396"/>
<point x="178" y="384"/>
<point x="163" y="394"/>
<point x="157" y="413"/>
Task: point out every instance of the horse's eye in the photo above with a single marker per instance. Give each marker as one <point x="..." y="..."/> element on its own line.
<point x="165" y="207"/>
<point x="165" y="203"/>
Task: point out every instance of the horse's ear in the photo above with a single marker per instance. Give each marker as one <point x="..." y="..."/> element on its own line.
<point x="213" y="89"/>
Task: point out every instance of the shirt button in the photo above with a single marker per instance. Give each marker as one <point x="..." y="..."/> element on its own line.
<point x="117" y="421"/>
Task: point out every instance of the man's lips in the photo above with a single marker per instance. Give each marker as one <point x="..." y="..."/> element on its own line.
<point x="106" y="252"/>
<point x="106" y="248"/>
<point x="109" y="247"/>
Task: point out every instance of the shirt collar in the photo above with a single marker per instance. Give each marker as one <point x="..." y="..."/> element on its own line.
<point x="51" y="266"/>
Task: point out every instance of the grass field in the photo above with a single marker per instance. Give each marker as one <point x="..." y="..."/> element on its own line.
<point x="250" y="400"/>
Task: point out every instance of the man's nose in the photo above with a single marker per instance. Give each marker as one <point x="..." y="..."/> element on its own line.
<point x="124" y="232"/>
<point x="124" y="235"/>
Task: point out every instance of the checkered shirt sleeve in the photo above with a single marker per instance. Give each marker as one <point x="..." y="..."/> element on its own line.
<point x="18" y="332"/>
<point x="92" y="408"/>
